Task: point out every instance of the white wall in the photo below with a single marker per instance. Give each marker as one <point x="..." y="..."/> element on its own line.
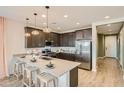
<point x="101" y="51"/>
<point x="14" y="39"/>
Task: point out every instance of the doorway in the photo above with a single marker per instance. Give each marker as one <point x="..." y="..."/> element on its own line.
<point x="108" y="36"/>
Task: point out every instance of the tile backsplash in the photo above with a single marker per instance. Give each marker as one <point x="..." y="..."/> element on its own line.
<point x="64" y="49"/>
<point x="53" y="49"/>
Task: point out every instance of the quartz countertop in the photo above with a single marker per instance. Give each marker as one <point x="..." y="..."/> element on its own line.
<point x="60" y="66"/>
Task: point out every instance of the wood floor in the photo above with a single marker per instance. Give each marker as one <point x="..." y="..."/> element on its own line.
<point x="109" y="74"/>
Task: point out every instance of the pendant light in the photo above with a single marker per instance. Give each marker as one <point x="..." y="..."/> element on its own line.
<point x="47" y="29"/>
<point x="27" y="34"/>
<point x="35" y="32"/>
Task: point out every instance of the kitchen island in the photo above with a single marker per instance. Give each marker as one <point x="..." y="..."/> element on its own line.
<point x="65" y="71"/>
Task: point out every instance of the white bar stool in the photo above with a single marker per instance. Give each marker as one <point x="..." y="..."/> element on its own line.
<point x="19" y="68"/>
<point x="29" y="74"/>
<point x="45" y="79"/>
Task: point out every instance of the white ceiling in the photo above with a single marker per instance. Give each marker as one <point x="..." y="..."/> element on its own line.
<point x="113" y="28"/>
<point x="85" y="15"/>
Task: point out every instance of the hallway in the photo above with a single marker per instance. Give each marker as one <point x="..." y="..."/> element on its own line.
<point x="109" y="74"/>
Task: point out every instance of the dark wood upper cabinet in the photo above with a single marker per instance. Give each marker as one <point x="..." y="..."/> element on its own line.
<point x="84" y="34"/>
<point x="71" y="39"/>
<point x="87" y="34"/>
<point x="55" y="39"/>
<point x="79" y="34"/>
<point x="63" y="40"/>
<point x="67" y="39"/>
<point x="35" y="41"/>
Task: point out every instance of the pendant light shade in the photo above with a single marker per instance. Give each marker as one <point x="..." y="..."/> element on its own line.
<point x="47" y="29"/>
<point x="35" y="32"/>
<point x="27" y="34"/>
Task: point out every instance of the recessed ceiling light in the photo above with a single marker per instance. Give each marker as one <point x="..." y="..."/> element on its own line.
<point x="78" y="23"/>
<point x="107" y="17"/>
<point x="65" y="16"/>
<point x="108" y="24"/>
<point x="43" y="15"/>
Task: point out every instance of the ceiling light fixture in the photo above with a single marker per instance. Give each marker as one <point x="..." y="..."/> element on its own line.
<point x="78" y="23"/>
<point x="35" y="32"/>
<point x="27" y="34"/>
<point x="44" y="16"/>
<point x="107" y="17"/>
<point x="65" y="16"/>
<point x="47" y="29"/>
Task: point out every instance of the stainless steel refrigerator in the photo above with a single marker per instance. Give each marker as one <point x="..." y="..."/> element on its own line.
<point x="84" y="53"/>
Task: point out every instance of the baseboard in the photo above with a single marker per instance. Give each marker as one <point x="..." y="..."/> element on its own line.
<point x="100" y="57"/>
<point x="112" y="57"/>
<point x="85" y="69"/>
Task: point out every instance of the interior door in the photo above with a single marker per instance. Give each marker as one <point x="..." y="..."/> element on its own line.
<point x="110" y="46"/>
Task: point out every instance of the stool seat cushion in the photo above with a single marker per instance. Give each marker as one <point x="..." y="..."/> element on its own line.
<point x="20" y="62"/>
<point x="31" y="68"/>
<point x="46" y="77"/>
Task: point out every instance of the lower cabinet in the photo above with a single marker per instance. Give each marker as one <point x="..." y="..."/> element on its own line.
<point x="73" y="72"/>
<point x="64" y="80"/>
<point x="69" y="79"/>
<point x="55" y="39"/>
<point x="74" y="77"/>
<point x="66" y="56"/>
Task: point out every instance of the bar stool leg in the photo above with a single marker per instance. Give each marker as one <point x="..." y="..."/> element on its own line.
<point x="47" y="84"/>
<point x="54" y="83"/>
<point x="18" y="73"/>
<point x="14" y="69"/>
<point x="30" y="79"/>
<point x="37" y="83"/>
